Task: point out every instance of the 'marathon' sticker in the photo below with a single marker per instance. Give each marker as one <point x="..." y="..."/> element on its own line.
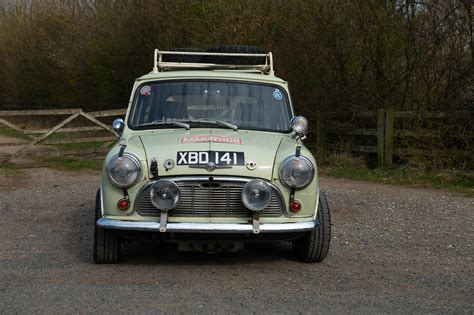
<point x="211" y="138"/>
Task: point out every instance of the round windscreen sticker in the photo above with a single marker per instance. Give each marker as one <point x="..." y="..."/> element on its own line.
<point x="145" y="90"/>
<point x="277" y="95"/>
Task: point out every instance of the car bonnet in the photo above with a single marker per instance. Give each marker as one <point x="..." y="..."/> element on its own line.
<point x="259" y="150"/>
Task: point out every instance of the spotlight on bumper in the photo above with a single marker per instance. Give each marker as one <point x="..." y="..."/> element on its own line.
<point x="164" y="194"/>
<point x="256" y="195"/>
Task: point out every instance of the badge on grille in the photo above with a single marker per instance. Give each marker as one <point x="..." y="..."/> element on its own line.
<point x="210" y="166"/>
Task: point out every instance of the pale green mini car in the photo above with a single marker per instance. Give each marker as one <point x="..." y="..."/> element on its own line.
<point x="210" y="156"/>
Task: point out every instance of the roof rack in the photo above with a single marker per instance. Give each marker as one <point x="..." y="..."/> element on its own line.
<point x="160" y="65"/>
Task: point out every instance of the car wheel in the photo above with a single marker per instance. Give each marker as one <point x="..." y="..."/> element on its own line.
<point x="236" y="60"/>
<point x="314" y="246"/>
<point x="106" y="242"/>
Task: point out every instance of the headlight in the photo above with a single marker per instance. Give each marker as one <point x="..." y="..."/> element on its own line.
<point x="164" y="194"/>
<point x="123" y="171"/>
<point x="296" y="172"/>
<point x="256" y="195"/>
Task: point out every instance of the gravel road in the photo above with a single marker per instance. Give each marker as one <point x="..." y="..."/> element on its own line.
<point x="394" y="250"/>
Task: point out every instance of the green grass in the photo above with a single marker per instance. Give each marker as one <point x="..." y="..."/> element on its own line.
<point x="452" y="180"/>
<point x="7" y="170"/>
<point x="81" y="145"/>
<point x="71" y="164"/>
<point x="13" y="133"/>
<point x="55" y="136"/>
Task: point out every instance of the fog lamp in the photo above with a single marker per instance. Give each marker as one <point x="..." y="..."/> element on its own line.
<point x="299" y="124"/>
<point x="164" y="194"/>
<point x="256" y="195"/>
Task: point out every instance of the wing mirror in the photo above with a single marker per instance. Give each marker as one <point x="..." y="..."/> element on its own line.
<point x="300" y="125"/>
<point x="118" y="125"/>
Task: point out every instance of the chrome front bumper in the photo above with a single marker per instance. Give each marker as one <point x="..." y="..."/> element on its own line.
<point x="207" y="227"/>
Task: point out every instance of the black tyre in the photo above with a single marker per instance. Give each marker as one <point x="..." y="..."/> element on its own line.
<point x="314" y="246"/>
<point x="236" y="60"/>
<point x="106" y="242"/>
<point x="184" y="58"/>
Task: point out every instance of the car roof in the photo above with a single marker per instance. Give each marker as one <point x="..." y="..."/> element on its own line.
<point x="212" y="74"/>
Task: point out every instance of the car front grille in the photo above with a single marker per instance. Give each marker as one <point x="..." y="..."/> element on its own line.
<point x="205" y="198"/>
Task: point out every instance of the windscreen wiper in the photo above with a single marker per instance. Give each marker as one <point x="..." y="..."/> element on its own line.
<point x="215" y="122"/>
<point x="166" y="122"/>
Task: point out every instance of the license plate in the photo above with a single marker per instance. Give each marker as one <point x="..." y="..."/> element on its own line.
<point x="204" y="157"/>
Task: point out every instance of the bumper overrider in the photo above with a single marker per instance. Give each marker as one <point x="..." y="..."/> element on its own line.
<point x="207" y="227"/>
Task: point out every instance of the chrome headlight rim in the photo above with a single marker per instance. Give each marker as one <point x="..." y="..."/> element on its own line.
<point x="134" y="159"/>
<point x="300" y="125"/>
<point x="172" y="184"/>
<point x="268" y="189"/>
<point x="302" y="158"/>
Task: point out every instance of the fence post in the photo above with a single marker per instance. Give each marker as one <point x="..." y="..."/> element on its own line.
<point x="319" y="134"/>
<point x="380" y="136"/>
<point x="389" y="125"/>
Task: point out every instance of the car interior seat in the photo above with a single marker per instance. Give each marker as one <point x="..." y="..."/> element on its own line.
<point x="248" y="114"/>
<point x="176" y="110"/>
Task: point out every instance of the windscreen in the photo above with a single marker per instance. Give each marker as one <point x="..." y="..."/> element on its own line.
<point x="245" y="105"/>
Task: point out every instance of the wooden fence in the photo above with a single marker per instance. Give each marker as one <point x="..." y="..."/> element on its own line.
<point x="66" y="117"/>
<point x="379" y="132"/>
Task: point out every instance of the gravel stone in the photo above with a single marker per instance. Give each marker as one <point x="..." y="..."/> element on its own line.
<point x="394" y="250"/>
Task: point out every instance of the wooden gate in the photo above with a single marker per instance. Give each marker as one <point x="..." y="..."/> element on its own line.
<point x="40" y="136"/>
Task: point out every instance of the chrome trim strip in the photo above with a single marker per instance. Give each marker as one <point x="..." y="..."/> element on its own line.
<point x="101" y="198"/>
<point x="206" y="227"/>
<point x="206" y="178"/>
<point x="317" y="203"/>
<point x="216" y="166"/>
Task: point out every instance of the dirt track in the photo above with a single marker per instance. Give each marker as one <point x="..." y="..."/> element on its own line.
<point x="394" y="250"/>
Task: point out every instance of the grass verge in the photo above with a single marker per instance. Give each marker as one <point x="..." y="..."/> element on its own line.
<point x="7" y="170"/>
<point x="452" y="180"/>
<point x="13" y="133"/>
<point x="71" y="164"/>
<point x="81" y="145"/>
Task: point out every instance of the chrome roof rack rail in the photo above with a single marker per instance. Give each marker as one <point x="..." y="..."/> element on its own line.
<point x="160" y="65"/>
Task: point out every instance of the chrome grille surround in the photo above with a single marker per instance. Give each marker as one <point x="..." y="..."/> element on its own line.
<point x="202" y="197"/>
